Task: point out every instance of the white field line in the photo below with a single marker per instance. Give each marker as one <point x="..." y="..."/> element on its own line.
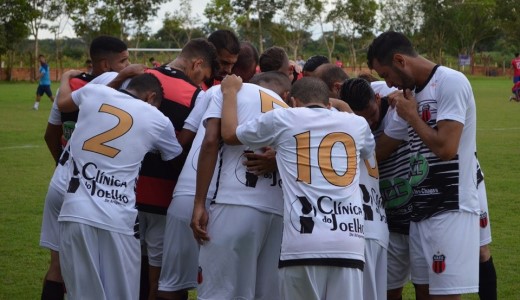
<point x="29" y="146"/>
<point x="499" y="129"/>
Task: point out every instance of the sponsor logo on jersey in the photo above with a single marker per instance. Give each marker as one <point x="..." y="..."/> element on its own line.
<point x="483" y="219"/>
<point x="425" y="113"/>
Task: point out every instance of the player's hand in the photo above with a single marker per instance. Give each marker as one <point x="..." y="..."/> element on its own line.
<point x="405" y="104"/>
<point x="261" y="163"/>
<point x="199" y="223"/>
<point x="231" y="83"/>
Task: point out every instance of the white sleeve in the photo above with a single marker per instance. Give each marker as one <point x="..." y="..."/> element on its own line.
<point x="369" y="143"/>
<point x="259" y="132"/>
<point x="453" y="99"/>
<point x="104" y="78"/>
<point x="395" y="126"/>
<point x="192" y="122"/>
<point x="169" y="147"/>
<point x="214" y="107"/>
<point x="55" y="115"/>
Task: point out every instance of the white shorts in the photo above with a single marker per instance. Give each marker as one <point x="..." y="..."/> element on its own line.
<point x="398" y="261"/>
<point x="181" y="250"/>
<point x="485" y="226"/>
<point x="99" y="264"/>
<point x="321" y="283"/>
<point x="240" y="261"/>
<point x="151" y="231"/>
<point x="374" y="273"/>
<point x="50" y="232"/>
<point x="444" y="253"/>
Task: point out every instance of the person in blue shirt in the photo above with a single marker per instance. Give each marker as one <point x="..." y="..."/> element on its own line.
<point x="44" y="86"/>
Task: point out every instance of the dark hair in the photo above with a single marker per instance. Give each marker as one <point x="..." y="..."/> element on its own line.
<point x="151" y="59"/>
<point x="225" y="39"/>
<point x="88" y="61"/>
<point x="368" y="77"/>
<point x="201" y="48"/>
<point x="273" y="80"/>
<point x="386" y="45"/>
<point x="330" y="74"/>
<point x="310" y="89"/>
<point x="146" y="83"/>
<point x="516" y="54"/>
<point x="315" y="61"/>
<point x="247" y="58"/>
<point x="357" y="93"/>
<point x="272" y="59"/>
<point x="105" y="45"/>
<point x="41" y="55"/>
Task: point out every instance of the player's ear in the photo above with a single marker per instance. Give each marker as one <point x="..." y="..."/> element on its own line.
<point x="198" y="63"/>
<point x="337" y="87"/>
<point x="151" y="97"/>
<point x="399" y="60"/>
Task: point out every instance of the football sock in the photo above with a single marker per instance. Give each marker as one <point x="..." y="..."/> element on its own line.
<point x="144" y="284"/>
<point x="53" y="290"/>
<point x="36" y="105"/>
<point x="487" y="289"/>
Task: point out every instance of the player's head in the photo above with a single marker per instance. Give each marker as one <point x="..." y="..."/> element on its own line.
<point x="390" y="55"/>
<point x="151" y="59"/>
<point x="361" y="98"/>
<point x="247" y="61"/>
<point x="147" y="88"/>
<point x="200" y="59"/>
<point x="41" y="58"/>
<point x="228" y="48"/>
<point x="312" y="63"/>
<point x="333" y="76"/>
<point x="108" y="54"/>
<point x="274" y="59"/>
<point x="275" y="81"/>
<point x="309" y="90"/>
<point x="517" y="54"/>
<point x="368" y="77"/>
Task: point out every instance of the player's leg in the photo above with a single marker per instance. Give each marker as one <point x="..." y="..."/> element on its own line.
<point x="48" y="92"/>
<point x="398" y="265"/>
<point x="267" y="281"/>
<point x="450" y="243"/>
<point x="229" y="259"/>
<point x="487" y="272"/>
<point x="119" y="264"/>
<point x="154" y="237"/>
<point x="180" y="252"/>
<point x="375" y="270"/>
<point x="53" y="287"/>
<point x="144" y="282"/>
<point x="39" y="93"/>
<point x="79" y="260"/>
<point x="301" y="282"/>
<point x="336" y="287"/>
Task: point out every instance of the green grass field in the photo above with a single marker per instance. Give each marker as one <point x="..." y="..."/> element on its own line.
<point x="26" y="168"/>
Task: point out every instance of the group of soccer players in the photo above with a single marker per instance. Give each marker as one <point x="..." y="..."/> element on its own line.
<point x="202" y="173"/>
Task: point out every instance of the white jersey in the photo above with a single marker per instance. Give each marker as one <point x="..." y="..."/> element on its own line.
<point x="186" y="182"/>
<point x="438" y="185"/>
<point x="376" y="227"/>
<point x="318" y="152"/>
<point x="235" y="185"/>
<point x="113" y="133"/>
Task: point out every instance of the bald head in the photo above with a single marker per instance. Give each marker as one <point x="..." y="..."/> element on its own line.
<point x="333" y="76"/>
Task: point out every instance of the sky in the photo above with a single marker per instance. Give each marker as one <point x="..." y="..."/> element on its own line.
<point x="197" y="8"/>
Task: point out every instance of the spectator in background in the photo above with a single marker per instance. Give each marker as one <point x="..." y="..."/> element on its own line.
<point x="154" y="63"/>
<point x="515" y="64"/>
<point x="300" y="62"/>
<point x="88" y="65"/>
<point x="44" y="86"/>
<point x="312" y="63"/>
<point x="338" y="62"/>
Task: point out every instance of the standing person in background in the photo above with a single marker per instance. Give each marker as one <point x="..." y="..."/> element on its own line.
<point x="338" y="62"/>
<point x="155" y="64"/>
<point x="44" y="85"/>
<point x="515" y="64"/>
<point x="300" y="61"/>
<point x="437" y="107"/>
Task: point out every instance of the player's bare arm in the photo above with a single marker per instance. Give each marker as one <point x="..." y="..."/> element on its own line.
<point x="65" y="103"/>
<point x="385" y="146"/>
<point x="52" y="138"/>
<point x="128" y="72"/>
<point x="206" y="167"/>
<point x="261" y="163"/>
<point x="230" y="87"/>
<point x="443" y="140"/>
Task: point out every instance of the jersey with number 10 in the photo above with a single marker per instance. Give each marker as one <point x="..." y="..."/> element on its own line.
<point x="318" y="153"/>
<point x="113" y="133"/>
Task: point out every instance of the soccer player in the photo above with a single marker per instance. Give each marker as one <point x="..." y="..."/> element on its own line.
<point x="312" y="63"/>
<point x="228" y="47"/>
<point x="180" y="250"/>
<point x="438" y="106"/>
<point x="274" y="59"/>
<point x="319" y="153"/>
<point x="181" y="79"/>
<point x="108" y="53"/>
<point x="44" y="85"/>
<point x="245" y="216"/>
<point x="333" y="76"/>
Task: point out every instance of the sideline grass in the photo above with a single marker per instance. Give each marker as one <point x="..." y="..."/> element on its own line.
<point x="27" y="167"/>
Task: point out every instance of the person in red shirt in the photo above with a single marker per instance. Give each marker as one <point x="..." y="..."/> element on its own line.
<point x="515" y="63"/>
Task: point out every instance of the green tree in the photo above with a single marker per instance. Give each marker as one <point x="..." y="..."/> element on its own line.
<point x="400" y="15"/>
<point x="219" y="14"/>
<point x="508" y="15"/>
<point x="180" y="27"/>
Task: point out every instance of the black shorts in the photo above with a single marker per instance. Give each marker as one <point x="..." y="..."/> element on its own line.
<point x="44" y="89"/>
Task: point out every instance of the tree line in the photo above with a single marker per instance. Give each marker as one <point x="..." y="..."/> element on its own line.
<point x="440" y="30"/>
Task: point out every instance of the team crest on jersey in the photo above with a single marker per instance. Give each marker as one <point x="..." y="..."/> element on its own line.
<point x="439" y="264"/>
<point x="425" y="113"/>
<point x="483" y="219"/>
